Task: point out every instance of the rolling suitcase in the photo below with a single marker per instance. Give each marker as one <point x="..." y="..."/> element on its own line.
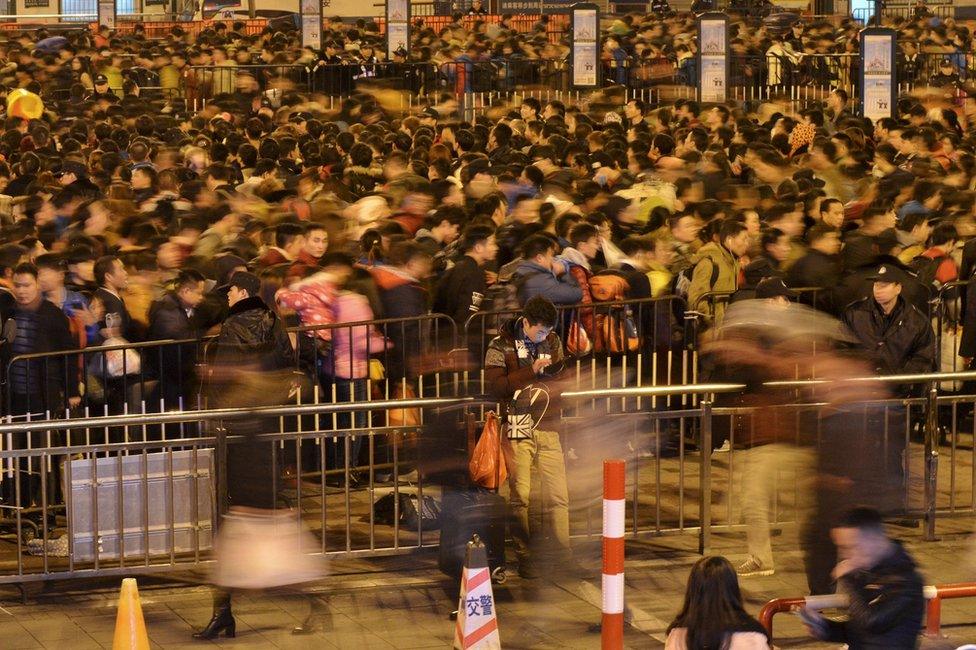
<point x="466" y="511"/>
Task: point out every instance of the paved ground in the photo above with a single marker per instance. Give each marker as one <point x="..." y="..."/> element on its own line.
<point x="403" y="602"/>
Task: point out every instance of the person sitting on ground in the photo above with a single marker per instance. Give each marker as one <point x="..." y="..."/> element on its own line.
<point x="712" y="615"/>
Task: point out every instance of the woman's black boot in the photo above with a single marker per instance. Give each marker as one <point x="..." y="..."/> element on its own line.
<point x="222" y="620"/>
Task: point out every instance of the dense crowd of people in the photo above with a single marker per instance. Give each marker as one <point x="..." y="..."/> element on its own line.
<point x="136" y="212"/>
<point x="130" y="216"/>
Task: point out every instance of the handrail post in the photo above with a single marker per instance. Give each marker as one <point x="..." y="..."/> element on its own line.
<point x="705" y="478"/>
<point x="220" y="451"/>
<point x="931" y="458"/>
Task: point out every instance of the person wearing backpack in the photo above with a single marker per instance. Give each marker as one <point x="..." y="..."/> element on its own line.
<point x="935" y="267"/>
<point x="716" y="269"/>
<point x="584" y="239"/>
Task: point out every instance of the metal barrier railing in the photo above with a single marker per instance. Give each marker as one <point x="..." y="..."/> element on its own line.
<point x="150" y="505"/>
<point x="52" y="486"/>
<point x="934" y="595"/>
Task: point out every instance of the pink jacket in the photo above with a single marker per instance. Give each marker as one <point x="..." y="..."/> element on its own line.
<point x="352" y="346"/>
<point x="314" y="300"/>
<point x="318" y="301"/>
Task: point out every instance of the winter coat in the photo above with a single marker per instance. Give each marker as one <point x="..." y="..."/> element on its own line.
<point x="51" y="379"/>
<point x="253" y="336"/>
<point x="173" y="365"/>
<point x="900" y="343"/>
<point x="313" y="299"/>
<point x="886" y="606"/>
<point x="508" y="366"/>
<point x="716" y="270"/>
<point x="816" y="269"/>
<point x="402" y="297"/>
<point x="352" y="346"/>
<point x="534" y="280"/>
<point x="461" y="291"/>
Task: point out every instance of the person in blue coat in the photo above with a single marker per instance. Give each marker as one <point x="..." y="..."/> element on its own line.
<point x="539" y="274"/>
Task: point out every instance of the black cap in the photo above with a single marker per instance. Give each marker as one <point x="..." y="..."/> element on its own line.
<point x="430" y="112"/>
<point x="73" y="167"/>
<point x="889" y="273"/>
<point x="301" y="116"/>
<point x="100" y="79"/>
<point x="400" y="51"/>
<point x="773" y="288"/>
<point x="246" y="282"/>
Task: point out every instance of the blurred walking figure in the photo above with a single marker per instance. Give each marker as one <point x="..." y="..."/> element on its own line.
<point x="712" y="615"/>
<point x="774" y="450"/>
<point x="763" y="340"/>
<point x="257" y="546"/>
<point x="882" y="582"/>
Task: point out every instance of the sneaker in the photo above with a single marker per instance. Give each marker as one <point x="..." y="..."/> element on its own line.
<point x="725" y="448"/>
<point x="753" y="567"/>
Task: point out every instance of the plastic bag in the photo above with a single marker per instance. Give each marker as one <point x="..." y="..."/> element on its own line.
<point x="115" y="363"/>
<point x="487" y="468"/>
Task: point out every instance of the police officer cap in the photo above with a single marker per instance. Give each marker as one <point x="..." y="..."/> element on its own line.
<point x="889" y="273"/>
<point x="773" y="288"/>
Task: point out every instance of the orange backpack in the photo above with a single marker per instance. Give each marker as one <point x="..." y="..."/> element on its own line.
<point x="616" y="330"/>
<point x="608" y="287"/>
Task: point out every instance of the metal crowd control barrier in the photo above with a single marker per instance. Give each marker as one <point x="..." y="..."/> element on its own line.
<point x="116" y="379"/>
<point x="149" y="506"/>
<point x="58" y="487"/>
<point x="934" y="595"/>
<point x="784" y="605"/>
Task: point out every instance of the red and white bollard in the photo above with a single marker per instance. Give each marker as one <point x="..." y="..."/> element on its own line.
<point x="612" y="629"/>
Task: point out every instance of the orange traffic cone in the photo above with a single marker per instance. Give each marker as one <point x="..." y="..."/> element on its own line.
<point x="130" y="628"/>
<point x="477" y="625"/>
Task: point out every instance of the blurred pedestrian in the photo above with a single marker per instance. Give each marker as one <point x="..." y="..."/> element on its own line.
<point x="881" y="580"/>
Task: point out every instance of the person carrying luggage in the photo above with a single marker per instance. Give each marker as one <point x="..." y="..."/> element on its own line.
<point x="526" y="354"/>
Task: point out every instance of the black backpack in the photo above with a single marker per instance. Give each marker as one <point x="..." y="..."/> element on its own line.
<point x="926" y="269"/>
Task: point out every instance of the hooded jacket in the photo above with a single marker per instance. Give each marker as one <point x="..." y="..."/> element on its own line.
<point x="716" y="270"/>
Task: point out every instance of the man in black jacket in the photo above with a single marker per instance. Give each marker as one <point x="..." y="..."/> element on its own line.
<point x="885" y="589"/>
<point x="461" y="291"/>
<point x="172" y="317"/>
<point x="819" y="267"/>
<point x="895" y="335"/>
<point x="42" y="387"/>
<point x="112" y="280"/>
<point x="250" y="369"/>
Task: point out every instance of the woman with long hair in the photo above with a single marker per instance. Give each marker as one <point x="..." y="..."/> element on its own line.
<point x="712" y="616"/>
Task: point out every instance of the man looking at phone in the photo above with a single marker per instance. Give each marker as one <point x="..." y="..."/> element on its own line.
<point x="883" y="585"/>
<point x="526" y="353"/>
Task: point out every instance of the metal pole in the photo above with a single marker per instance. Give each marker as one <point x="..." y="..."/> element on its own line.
<point x="252" y="9"/>
<point x="931" y="458"/>
<point x="705" y="478"/>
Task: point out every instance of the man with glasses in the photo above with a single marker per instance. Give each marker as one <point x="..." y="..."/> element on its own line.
<point x="526" y="353"/>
